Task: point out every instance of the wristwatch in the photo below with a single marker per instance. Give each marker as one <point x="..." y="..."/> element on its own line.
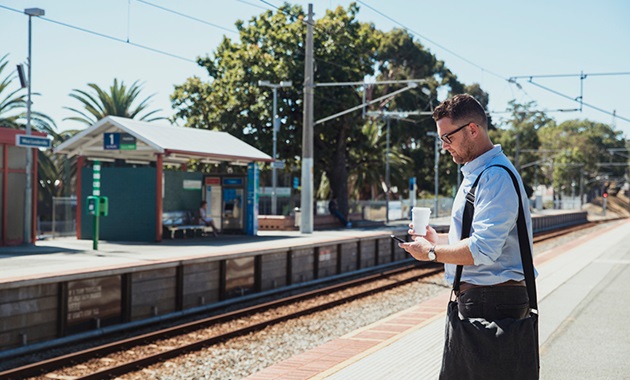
<point x="432" y="256"/>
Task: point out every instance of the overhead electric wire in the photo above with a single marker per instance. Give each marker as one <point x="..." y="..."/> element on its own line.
<point x="252" y="4"/>
<point x="117" y="39"/>
<point x="583" y="75"/>
<point x="511" y="79"/>
<point x="579" y="101"/>
<point x="187" y="16"/>
<point x="431" y="41"/>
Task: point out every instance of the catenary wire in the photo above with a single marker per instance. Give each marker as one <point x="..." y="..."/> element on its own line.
<point x="510" y="80"/>
<point x="187" y="16"/>
<point x="433" y="42"/>
<point x="102" y="35"/>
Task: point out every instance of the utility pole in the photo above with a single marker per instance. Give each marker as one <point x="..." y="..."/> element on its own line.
<point x="28" y="196"/>
<point x="387" y="182"/>
<point x="306" y="198"/>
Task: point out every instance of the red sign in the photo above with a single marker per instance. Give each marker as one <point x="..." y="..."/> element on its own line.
<point x="213" y="181"/>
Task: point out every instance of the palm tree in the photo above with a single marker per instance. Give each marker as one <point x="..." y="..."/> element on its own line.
<point x="13" y="106"/>
<point x="117" y="102"/>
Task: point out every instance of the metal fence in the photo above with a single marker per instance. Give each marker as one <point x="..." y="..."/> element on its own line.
<point x="64" y="221"/>
<point x="398" y="210"/>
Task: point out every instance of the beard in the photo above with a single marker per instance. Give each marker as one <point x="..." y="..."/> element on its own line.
<point x="462" y="155"/>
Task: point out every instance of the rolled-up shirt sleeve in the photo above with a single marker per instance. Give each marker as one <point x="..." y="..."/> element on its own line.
<point x="496" y="211"/>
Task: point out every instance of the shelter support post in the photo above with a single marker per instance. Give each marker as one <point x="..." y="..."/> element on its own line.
<point x="159" y="174"/>
<point x="79" y="217"/>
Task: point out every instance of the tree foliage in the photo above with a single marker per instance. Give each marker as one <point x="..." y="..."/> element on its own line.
<point x="349" y="150"/>
<point x="520" y="142"/>
<point x="582" y="145"/>
<point x="271" y="47"/>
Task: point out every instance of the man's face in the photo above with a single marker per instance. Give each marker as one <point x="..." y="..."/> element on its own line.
<point x="460" y="146"/>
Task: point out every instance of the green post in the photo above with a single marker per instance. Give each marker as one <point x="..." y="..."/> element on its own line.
<point x="96" y="191"/>
<point x="95" y="233"/>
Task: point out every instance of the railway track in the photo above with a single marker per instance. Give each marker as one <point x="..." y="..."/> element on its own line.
<point x="321" y="299"/>
<point x="132" y="354"/>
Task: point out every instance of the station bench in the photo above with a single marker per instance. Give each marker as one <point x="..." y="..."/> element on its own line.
<point x="184" y="221"/>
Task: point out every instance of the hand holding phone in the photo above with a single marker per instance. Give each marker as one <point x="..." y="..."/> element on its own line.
<point x="397" y="239"/>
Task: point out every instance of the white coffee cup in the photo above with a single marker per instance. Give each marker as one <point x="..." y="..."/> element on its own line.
<point x="420" y="219"/>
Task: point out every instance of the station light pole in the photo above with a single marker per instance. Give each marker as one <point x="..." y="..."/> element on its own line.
<point x="28" y="196"/>
<point x="436" y="167"/>
<point x="276" y="128"/>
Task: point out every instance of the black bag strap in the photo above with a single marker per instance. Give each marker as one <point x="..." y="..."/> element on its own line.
<point x="523" y="237"/>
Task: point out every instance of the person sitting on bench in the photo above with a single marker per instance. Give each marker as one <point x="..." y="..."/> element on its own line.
<point x="205" y="219"/>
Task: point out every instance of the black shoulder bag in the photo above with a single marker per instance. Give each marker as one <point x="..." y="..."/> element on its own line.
<point x="502" y="349"/>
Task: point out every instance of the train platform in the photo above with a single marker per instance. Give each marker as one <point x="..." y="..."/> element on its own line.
<point x="65" y="256"/>
<point x="68" y="255"/>
<point x="583" y="331"/>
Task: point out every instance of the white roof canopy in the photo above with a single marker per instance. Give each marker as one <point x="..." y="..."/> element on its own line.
<point x="177" y="144"/>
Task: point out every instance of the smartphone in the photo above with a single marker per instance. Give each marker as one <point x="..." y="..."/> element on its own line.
<point x="397" y="239"/>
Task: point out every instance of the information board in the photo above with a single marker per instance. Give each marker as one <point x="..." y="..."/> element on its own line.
<point x="118" y="141"/>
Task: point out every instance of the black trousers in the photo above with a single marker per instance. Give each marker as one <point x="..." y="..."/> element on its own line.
<point x="494" y="302"/>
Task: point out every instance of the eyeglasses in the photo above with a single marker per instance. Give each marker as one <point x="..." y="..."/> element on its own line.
<point x="447" y="136"/>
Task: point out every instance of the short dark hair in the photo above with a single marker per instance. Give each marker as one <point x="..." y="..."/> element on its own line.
<point x="462" y="108"/>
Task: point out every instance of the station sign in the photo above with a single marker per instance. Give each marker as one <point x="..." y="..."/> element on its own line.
<point x="118" y="141"/>
<point x="277" y="165"/>
<point x="30" y="141"/>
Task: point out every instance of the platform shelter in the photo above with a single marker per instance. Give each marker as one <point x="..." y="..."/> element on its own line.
<point x="144" y="176"/>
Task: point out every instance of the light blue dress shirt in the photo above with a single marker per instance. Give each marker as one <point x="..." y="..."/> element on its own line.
<point x="493" y="235"/>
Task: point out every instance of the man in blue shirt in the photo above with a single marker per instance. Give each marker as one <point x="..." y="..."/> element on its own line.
<point x="493" y="285"/>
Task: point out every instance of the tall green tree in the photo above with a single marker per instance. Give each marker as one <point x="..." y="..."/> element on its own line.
<point x="271" y="47"/>
<point x="118" y="101"/>
<point x="582" y="145"/>
<point x="401" y="57"/>
<point x="519" y="139"/>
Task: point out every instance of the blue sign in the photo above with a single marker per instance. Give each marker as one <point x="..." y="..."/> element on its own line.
<point x="30" y="141"/>
<point x="111" y="141"/>
<point x="296" y="183"/>
<point x="251" y="224"/>
<point x="118" y="141"/>
<point x="232" y="181"/>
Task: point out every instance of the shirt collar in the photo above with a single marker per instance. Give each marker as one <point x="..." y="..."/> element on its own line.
<point x="481" y="161"/>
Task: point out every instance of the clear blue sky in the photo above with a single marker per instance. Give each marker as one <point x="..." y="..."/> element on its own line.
<point x="491" y="41"/>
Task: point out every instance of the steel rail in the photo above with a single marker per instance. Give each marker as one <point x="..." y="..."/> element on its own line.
<point x="35" y="369"/>
<point x="38" y="368"/>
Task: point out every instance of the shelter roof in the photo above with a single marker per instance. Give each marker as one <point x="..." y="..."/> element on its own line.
<point x="178" y="144"/>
